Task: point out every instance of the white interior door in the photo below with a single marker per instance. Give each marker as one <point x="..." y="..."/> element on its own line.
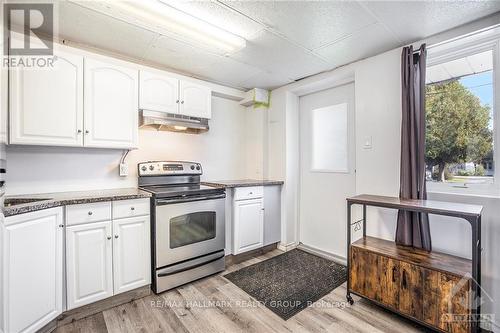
<point x="327" y="175"/>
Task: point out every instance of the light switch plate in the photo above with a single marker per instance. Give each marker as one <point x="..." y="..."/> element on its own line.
<point x="367" y="142"/>
<point x="123" y="170"/>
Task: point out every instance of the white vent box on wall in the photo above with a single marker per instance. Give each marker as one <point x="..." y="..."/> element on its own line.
<point x="257" y="97"/>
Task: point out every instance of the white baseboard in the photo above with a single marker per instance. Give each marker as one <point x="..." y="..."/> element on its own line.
<point x="320" y="253"/>
<point x="287" y="247"/>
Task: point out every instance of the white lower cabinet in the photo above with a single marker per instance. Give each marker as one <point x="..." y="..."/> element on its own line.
<point x="31" y="287"/>
<point x="131" y="249"/>
<point x="255" y="217"/>
<point x="89" y="263"/>
<point x="105" y="258"/>
<point x="248" y="224"/>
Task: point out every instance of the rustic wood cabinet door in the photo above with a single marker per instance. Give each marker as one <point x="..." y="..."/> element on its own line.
<point x="411" y="290"/>
<point x="389" y="281"/>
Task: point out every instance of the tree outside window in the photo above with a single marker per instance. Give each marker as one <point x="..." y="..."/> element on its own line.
<point x="459" y="123"/>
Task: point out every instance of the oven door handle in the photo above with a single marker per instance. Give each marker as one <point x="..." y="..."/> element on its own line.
<point x="160" y="202"/>
<point x="196" y="263"/>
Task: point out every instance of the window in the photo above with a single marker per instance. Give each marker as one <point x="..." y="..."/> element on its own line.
<point x="330" y="139"/>
<point x="460" y="120"/>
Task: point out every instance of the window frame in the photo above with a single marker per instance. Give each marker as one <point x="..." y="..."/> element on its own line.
<point x="459" y="48"/>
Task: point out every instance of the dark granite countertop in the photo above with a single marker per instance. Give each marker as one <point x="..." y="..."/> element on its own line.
<point x="243" y="183"/>
<point x="68" y="198"/>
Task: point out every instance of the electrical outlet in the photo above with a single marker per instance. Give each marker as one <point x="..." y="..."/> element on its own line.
<point x="123" y="170"/>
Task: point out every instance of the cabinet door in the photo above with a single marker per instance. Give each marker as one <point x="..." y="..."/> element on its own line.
<point x="131" y="253"/>
<point x="111" y="105"/>
<point x="88" y="263"/>
<point x="248" y="225"/>
<point x="158" y="92"/>
<point x="46" y="105"/>
<point x="32" y="270"/>
<point x="196" y="100"/>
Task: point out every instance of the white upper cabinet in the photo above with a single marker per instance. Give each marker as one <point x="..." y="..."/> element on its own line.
<point x="31" y="268"/>
<point x="111" y="104"/>
<point x="46" y="105"/>
<point x="158" y="92"/>
<point x="196" y="100"/>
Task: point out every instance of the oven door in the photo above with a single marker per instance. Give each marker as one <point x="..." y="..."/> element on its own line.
<point x="188" y="228"/>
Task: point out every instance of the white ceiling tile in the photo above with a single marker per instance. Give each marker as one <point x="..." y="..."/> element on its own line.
<point x="265" y="80"/>
<point x="367" y="42"/>
<point x="274" y="54"/>
<point x="310" y="24"/>
<point x="219" y="15"/>
<point x="175" y="54"/>
<point x="229" y="72"/>
<point x="415" y="20"/>
<point x="88" y="27"/>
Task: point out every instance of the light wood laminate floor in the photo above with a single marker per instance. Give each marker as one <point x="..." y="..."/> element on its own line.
<point x="216" y="305"/>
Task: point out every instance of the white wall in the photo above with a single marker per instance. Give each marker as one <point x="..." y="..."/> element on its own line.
<point x="378" y="114"/>
<point x="222" y="152"/>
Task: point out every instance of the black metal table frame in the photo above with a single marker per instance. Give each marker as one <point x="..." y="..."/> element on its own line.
<point x="475" y="223"/>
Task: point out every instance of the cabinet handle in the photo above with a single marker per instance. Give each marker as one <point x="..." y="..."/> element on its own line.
<point x="61" y="225"/>
<point x="79" y="131"/>
<point x="109" y="237"/>
<point x="177" y="101"/>
<point x="87" y="131"/>
<point x="90" y="213"/>
<point x="116" y="236"/>
<point x="182" y="102"/>
<point x="132" y="208"/>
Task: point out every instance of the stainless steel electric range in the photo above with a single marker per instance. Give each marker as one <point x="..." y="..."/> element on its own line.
<point x="187" y="223"/>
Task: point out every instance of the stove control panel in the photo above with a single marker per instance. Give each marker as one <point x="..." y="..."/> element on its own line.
<point x="168" y="168"/>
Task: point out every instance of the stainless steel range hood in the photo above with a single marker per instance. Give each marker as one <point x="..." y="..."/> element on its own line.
<point x="162" y="121"/>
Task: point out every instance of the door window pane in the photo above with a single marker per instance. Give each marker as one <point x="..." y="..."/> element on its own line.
<point x="192" y="228"/>
<point x="330" y="139"/>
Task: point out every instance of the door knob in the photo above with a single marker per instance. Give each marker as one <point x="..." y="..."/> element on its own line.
<point x="116" y="236"/>
<point x="109" y="237"/>
<point x="90" y="213"/>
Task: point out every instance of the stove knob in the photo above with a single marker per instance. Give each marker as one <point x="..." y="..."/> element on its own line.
<point x="144" y="168"/>
<point x="192" y="167"/>
<point x="151" y="167"/>
<point x="198" y="167"/>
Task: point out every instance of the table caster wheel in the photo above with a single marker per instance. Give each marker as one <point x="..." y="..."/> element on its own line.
<point x="349" y="299"/>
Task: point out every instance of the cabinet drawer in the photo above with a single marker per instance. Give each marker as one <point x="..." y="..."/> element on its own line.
<point x="252" y="192"/>
<point x="84" y="213"/>
<point x="130" y="208"/>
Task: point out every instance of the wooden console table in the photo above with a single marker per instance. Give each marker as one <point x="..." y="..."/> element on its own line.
<point x="375" y="257"/>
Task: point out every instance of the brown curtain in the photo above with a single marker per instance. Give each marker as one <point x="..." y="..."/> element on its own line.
<point x="413" y="228"/>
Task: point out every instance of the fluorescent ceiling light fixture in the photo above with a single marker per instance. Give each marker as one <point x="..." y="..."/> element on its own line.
<point x="180" y="128"/>
<point x="160" y="17"/>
